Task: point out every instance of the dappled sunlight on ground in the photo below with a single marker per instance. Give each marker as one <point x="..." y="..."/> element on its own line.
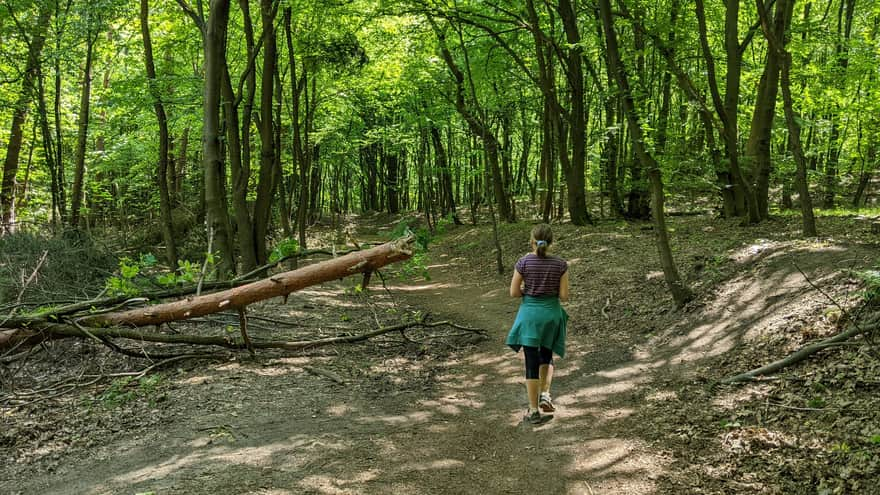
<point x="333" y="485"/>
<point x="408" y="420"/>
<point x="435" y="287"/>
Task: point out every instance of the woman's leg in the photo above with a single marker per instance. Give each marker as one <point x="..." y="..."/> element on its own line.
<point x="545" y="370"/>
<point x="533" y="365"/>
<point x="545" y="377"/>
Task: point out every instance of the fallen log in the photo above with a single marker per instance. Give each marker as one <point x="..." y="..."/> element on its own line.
<point x="281" y="284"/>
<point x="59" y="312"/>
<point x="35" y="330"/>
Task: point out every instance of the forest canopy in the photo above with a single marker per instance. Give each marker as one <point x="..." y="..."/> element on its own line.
<point x="260" y="119"/>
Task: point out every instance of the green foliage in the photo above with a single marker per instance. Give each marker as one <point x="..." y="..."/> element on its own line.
<point x="126" y="389"/>
<point x="137" y="276"/>
<point x="416" y="266"/>
<point x="871" y="279"/>
<point x="285" y="247"/>
<point x="124" y="283"/>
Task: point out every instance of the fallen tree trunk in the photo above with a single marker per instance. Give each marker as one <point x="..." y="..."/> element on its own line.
<point x="281" y="284"/>
<point x="55" y="314"/>
<point x="30" y="331"/>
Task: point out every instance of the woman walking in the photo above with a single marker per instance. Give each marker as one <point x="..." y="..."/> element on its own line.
<point x="539" y="329"/>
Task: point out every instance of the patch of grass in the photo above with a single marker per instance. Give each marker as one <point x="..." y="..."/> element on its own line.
<point x="126" y="389"/>
<point x="833" y="212"/>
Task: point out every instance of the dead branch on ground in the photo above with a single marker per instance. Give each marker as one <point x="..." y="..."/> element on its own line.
<point x="804" y="352"/>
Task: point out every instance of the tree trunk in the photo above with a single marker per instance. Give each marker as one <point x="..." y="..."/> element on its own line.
<point x="274" y="286"/>
<point x="547" y="171"/>
<point x="162" y="170"/>
<point x="727" y="110"/>
<point x="575" y="176"/>
<point x="666" y="85"/>
<point x="758" y="146"/>
<point x="266" y="184"/>
<point x="181" y="163"/>
<point x="778" y="40"/>
<point x="478" y="127"/>
<point x="56" y="104"/>
<point x="13" y="148"/>
<point x="212" y="155"/>
<point x="281" y="182"/>
<point x="447" y="200"/>
<point x="392" y="178"/>
<point x="56" y="183"/>
<point x="680" y="292"/>
<point x="841" y="55"/>
<point x="240" y="178"/>
<point x="298" y="84"/>
<point x="79" y="170"/>
<point x="238" y="147"/>
<point x="566" y="126"/>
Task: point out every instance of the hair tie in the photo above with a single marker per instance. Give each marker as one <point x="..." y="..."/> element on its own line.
<point x="541" y="243"/>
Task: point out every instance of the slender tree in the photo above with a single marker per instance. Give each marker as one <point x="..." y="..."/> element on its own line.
<point x="164" y="153"/>
<point x="266" y="180"/>
<point x="35" y="41"/>
<point x="778" y="39"/>
<point x="680" y="292"/>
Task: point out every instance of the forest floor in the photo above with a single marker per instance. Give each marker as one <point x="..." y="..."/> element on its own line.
<point x="439" y="410"/>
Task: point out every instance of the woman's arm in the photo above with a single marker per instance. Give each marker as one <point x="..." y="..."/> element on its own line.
<point x="563" y="287"/>
<point x="516" y="284"/>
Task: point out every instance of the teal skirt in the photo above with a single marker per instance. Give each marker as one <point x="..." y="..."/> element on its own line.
<point x="540" y="322"/>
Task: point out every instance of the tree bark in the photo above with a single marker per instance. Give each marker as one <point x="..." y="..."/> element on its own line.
<point x="392" y="177"/>
<point x="162" y="170"/>
<point x="79" y="166"/>
<point x="447" y="200"/>
<point x="575" y="177"/>
<point x="841" y="55"/>
<point x="13" y="148"/>
<point x="728" y="108"/>
<point x="478" y="127"/>
<point x="212" y="155"/>
<point x="802" y="353"/>
<point x="274" y="286"/>
<point x="266" y="183"/>
<point x="238" y="148"/>
<point x="56" y="182"/>
<point x="281" y="284"/>
<point x="567" y="126"/>
<point x="240" y="178"/>
<point x="758" y="145"/>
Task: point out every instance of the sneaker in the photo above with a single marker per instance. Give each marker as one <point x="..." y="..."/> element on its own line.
<point x="545" y="404"/>
<point x="536" y="418"/>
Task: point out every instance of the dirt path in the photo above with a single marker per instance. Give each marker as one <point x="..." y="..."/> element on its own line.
<point x="450" y="422"/>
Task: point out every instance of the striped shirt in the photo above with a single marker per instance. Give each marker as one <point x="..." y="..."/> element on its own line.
<point x="541" y="275"/>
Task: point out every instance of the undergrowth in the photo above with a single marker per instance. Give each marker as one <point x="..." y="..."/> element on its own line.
<point x="73" y="264"/>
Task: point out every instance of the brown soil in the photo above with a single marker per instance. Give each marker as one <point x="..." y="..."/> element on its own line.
<point x="440" y="411"/>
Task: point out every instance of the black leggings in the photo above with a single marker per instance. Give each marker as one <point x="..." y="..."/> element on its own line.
<point x="535" y="358"/>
